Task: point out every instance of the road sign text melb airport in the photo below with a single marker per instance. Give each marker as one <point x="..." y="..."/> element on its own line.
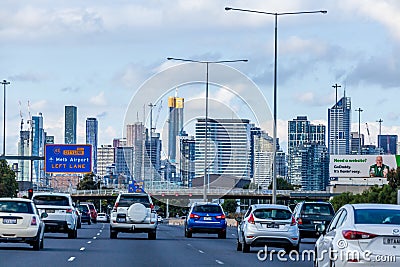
<point x="68" y="158"/>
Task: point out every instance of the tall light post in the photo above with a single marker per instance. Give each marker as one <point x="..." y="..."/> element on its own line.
<point x="359" y="110"/>
<point x="275" y="79"/>
<point x="206" y="119"/>
<point x="4" y="82"/>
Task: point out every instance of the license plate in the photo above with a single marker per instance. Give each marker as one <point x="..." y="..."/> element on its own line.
<point x="50" y="211"/>
<point x="391" y="241"/>
<point x="9" y="221"/>
<point x="318" y="222"/>
<point x="207" y="218"/>
<point x="121" y="220"/>
<point x="272" y="225"/>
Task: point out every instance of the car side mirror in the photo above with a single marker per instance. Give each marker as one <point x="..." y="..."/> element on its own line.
<point x="320" y="229"/>
<point x="44" y="215"/>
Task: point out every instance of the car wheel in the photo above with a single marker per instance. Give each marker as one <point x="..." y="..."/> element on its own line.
<point x="36" y="244"/>
<point x="73" y="234"/>
<point x="188" y="234"/>
<point x="79" y="225"/>
<point x="137" y="212"/>
<point x="246" y="247"/>
<point x="113" y="233"/>
<point x="222" y="235"/>
<point x="238" y="245"/>
<point x="42" y="243"/>
<point x="89" y="222"/>
<point x="152" y="235"/>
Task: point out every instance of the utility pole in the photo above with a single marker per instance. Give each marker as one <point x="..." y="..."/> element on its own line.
<point x="380" y="130"/>
<point x="4" y="83"/>
<point x="359" y="110"/>
<point x="151" y="141"/>
<point x="336" y="86"/>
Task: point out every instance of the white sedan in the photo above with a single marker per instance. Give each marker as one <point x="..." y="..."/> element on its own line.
<point x="20" y="222"/>
<point x="102" y="217"/>
<point x="360" y="235"/>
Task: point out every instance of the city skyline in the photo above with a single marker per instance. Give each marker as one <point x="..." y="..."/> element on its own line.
<point x="95" y="56"/>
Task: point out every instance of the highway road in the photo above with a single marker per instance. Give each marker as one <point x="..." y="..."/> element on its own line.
<point x="93" y="247"/>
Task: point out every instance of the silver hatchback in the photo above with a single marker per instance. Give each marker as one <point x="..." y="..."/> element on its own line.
<point x="268" y="225"/>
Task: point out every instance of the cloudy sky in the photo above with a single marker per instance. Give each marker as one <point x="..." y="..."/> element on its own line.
<point x="98" y="54"/>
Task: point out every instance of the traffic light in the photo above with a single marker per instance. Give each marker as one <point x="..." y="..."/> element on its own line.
<point x="30" y="193"/>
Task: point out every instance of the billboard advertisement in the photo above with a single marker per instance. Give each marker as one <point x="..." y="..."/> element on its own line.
<point x="362" y="166"/>
<point x="68" y="158"/>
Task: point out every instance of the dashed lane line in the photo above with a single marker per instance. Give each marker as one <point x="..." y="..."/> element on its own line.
<point x="202" y="252"/>
<point x="82" y="249"/>
<point x="71" y="259"/>
<point x="219" y="262"/>
<point x="89" y="242"/>
<point x="94" y="237"/>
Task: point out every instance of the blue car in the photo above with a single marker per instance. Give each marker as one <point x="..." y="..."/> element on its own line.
<point x="205" y="218"/>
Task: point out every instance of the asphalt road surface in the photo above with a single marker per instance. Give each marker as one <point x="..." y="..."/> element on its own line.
<point x="93" y="247"/>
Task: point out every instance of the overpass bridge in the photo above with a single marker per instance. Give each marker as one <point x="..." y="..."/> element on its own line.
<point x="196" y="193"/>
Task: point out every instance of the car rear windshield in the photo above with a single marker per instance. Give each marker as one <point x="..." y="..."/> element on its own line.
<point x="16" y="207"/>
<point x="83" y="208"/>
<point x="377" y="216"/>
<point x="51" y="200"/>
<point x="317" y="209"/>
<point x="274" y="214"/>
<point x="207" y="209"/>
<point x="126" y="201"/>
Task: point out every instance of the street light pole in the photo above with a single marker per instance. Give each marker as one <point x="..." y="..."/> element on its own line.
<point x="206" y="119"/>
<point x="274" y="185"/>
<point x="4" y="82"/>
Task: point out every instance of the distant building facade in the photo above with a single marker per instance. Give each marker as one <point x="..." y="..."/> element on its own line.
<point x="92" y="132"/>
<point x="71" y="119"/>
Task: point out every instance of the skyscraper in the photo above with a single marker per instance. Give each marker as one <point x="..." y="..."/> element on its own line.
<point x="186" y="159"/>
<point x="339" y="123"/>
<point x="24" y="149"/>
<point x="91" y="139"/>
<point x="388" y="143"/>
<point x="135" y="137"/>
<point x="105" y="159"/>
<point x="261" y="157"/>
<point x="175" y="105"/>
<point x="228" y="147"/>
<point x="38" y="141"/>
<point x="70" y="124"/>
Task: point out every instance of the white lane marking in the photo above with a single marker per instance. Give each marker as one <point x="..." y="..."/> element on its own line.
<point x="71" y="259"/>
<point x="219" y="262"/>
<point x="94" y="237"/>
<point x="202" y="252"/>
<point x="89" y="242"/>
<point x="233" y="235"/>
<point x="101" y="231"/>
<point x="82" y="249"/>
<point x="98" y="233"/>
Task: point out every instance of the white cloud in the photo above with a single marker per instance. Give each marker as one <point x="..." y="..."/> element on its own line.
<point x="98" y="100"/>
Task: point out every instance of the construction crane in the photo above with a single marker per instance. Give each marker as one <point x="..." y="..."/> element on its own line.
<point x="369" y="136"/>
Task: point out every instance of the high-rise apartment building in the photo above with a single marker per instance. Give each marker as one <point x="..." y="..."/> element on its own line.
<point x="105" y="159"/>
<point x="92" y="132"/>
<point x="388" y="143"/>
<point x="38" y="142"/>
<point x="135" y="137"/>
<point x="71" y="119"/>
<point x="175" y="126"/>
<point x="24" y="149"/>
<point x="339" y="127"/>
<point x="185" y="160"/>
<point x="124" y="164"/>
<point x="228" y="147"/>
<point x="261" y="157"/>
<point x="356" y="143"/>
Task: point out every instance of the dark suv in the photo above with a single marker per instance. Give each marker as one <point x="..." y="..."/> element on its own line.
<point x="310" y="214"/>
<point x="205" y="218"/>
<point x="85" y="213"/>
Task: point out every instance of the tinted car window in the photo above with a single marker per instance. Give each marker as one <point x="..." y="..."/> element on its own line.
<point x="16" y="207"/>
<point x="51" y="200"/>
<point x="83" y="208"/>
<point x="207" y="209"/>
<point x="126" y="201"/>
<point x="317" y="208"/>
<point x="377" y="216"/>
<point x="275" y="214"/>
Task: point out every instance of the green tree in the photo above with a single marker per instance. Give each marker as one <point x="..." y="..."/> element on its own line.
<point x="393" y="177"/>
<point x="8" y="183"/>
<point x="282" y="184"/>
<point x="229" y="205"/>
<point x="88" y="182"/>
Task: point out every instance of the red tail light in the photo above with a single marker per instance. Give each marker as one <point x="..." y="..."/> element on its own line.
<point x="34" y="222"/>
<point x="115" y="206"/>
<point x="299" y="221"/>
<point x="353" y="235"/>
<point x="69" y="210"/>
<point x="293" y="221"/>
<point x="220" y="216"/>
<point x="194" y="216"/>
<point x="251" y="219"/>
<point x="152" y="207"/>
